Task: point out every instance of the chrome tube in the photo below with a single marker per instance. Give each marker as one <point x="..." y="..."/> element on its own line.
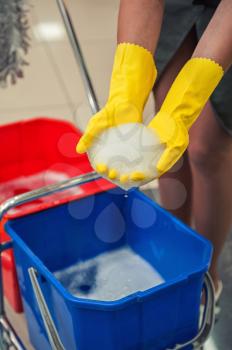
<point x="89" y="89"/>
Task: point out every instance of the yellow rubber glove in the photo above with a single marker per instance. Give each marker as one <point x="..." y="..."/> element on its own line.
<point x="182" y="106"/>
<point x="133" y="76"/>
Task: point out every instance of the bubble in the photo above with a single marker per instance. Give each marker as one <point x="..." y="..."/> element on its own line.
<point x="67" y="145"/>
<point x="175" y="193"/>
<point x="176" y="167"/>
<point x="82" y="209"/>
<point x="143" y="214"/>
<point x="110" y="224"/>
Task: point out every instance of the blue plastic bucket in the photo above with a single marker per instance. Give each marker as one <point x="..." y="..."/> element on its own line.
<point x="154" y="319"/>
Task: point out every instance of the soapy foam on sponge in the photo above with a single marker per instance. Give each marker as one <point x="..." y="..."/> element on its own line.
<point x="124" y="150"/>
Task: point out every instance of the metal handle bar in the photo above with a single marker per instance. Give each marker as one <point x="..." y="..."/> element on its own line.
<point x="47" y="190"/>
<point x="93" y="102"/>
<point x="208" y="317"/>
<point x="50" y="327"/>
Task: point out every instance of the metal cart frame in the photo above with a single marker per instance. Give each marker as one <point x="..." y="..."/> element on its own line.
<point x="9" y="339"/>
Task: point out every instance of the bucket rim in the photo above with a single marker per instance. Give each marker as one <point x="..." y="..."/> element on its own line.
<point x="139" y="296"/>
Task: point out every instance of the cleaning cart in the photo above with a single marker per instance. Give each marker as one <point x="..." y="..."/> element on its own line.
<point x="158" y="318"/>
<point x="163" y="317"/>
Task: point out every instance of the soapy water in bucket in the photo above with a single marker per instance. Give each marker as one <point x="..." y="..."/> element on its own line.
<point x="109" y="276"/>
<point x="127" y="148"/>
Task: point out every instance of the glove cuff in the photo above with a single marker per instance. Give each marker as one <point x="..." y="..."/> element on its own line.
<point x="133" y="75"/>
<point x="191" y="89"/>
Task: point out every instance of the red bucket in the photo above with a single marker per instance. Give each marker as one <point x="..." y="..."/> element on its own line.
<point x="37" y="153"/>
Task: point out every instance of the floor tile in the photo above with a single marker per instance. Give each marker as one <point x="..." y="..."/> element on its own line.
<point x="46" y="11"/>
<point x="99" y="56"/>
<point x="39" y="87"/>
<point x="62" y="58"/>
<point x="19" y="324"/>
<point x="56" y="111"/>
<point x="94" y="20"/>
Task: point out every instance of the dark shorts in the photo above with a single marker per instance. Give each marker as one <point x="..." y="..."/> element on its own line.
<point x="179" y="18"/>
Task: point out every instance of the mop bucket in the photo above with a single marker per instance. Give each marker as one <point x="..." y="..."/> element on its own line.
<point x="38" y="152"/>
<point x="158" y="318"/>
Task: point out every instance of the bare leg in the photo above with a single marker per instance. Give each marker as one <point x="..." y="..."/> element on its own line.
<point x="208" y="166"/>
<point x="176" y="191"/>
<point x="210" y="155"/>
<point x="176" y="186"/>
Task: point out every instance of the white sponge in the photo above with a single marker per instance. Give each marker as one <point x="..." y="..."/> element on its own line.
<point x="127" y="148"/>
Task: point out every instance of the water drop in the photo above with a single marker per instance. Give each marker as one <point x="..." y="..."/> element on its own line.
<point x="110" y="224"/>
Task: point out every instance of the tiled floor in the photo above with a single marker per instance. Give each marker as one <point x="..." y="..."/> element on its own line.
<point x="52" y="87"/>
